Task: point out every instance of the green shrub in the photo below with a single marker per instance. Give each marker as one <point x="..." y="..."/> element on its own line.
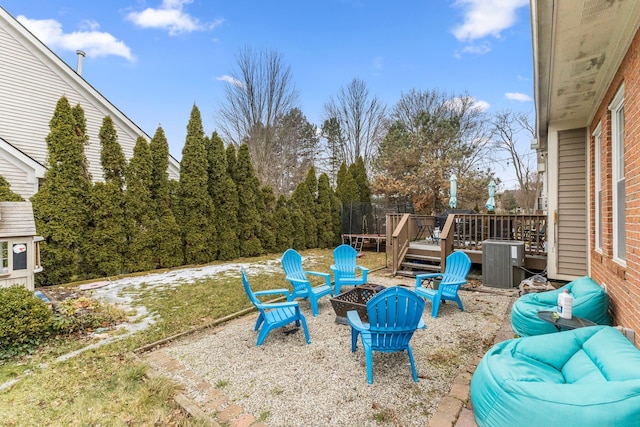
<point x="25" y="321"/>
<point x="84" y="315"/>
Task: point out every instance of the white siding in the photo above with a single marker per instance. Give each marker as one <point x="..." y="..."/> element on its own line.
<point x="572" y="203"/>
<point x="28" y="98"/>
<point x="18" y="179"/>
<point x="27" y="282"/>
<point x="32" y="80"/>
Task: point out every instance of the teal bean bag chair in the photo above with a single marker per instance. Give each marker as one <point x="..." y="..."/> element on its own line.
<point x="587" y="377"/>
<point x="590" y="301"/>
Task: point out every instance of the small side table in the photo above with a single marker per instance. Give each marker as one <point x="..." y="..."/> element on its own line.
<point x="560" y="323"/>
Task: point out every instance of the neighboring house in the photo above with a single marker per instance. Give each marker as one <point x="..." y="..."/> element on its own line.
<point x="32" y="80"/>
<point x="19" y="245"/>
<point x="587" y="94"/>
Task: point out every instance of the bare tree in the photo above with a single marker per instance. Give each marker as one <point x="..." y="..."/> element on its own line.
<point x="507" y="129"/>
<point x="361" y="122"/>
<point x="259" y="93"/>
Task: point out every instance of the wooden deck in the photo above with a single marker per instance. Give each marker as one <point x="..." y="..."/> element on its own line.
<point x="462" y="232"/>
<point x="358" y="241"/>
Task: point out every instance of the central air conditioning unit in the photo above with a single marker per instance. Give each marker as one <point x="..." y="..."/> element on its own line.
<point x="501" y="263"/>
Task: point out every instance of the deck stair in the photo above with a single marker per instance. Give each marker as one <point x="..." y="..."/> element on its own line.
<point x="420" y="259"/>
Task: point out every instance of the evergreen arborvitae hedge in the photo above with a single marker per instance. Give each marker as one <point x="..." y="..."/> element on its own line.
<point x="222" y="190"/>
<point x="140" y="249"/>
<point x="250" y="202"/>
<point x="304" y="197"/>
<point x="139" y="220"/>
<point x="6" y="195"/>
<point x="284" y="226"/>
<point x="61" y="206"/>
<point x="268" y="230"/>
<point x="164" y="229"/>
<point x="197" y="216"/>
<point x="346" y="187"/>
<point x="111" y="156"/>
<point x="298" y="224"/>
<point x="324" y="213"/>
<point x="359" y="174"/>
<point x="106" y="240"/>
<point x="336" y="218"/>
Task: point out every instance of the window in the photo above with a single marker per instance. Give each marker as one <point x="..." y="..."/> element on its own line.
<point x="37" y="267"/>
<point x="19" y="256"/>
<point x="4" y="258"/>
<point x="618" y="182"/>
<point x="597" y="166"/>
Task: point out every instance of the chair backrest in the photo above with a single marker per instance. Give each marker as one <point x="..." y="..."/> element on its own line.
<point x="394" y="315"/>
<point x="292" y="264"/>
<point x="457" y="267"/>
<point x="254" y="300"/>
<point x="344" y="258"/>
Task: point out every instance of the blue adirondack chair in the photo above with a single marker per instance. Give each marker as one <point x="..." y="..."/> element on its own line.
<point x="344" y="268"/>
<point x="274" y="315"/>
<point x="297" y="276"/>
<point x="454" y="276"/>
<point x="394" y="315"/>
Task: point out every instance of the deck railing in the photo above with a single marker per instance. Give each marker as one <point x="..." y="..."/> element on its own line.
<point x="465" y="231"/>
<point x="402" y="232"/>
<point x="469" y="231"/>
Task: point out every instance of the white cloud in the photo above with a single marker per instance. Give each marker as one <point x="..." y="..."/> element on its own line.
<point x="230" y="80"/>
<point x="484" y="18"/>
<point x="481" y="105"/>
<point x="89" y="25"/>
<point x="479" y="49"/>
<point x="457" y="104"/>
<point x="170" y="16"/>
<point x="516" y="96"/>
<point x="378" y="62"/>
<point x="94" y="43"/>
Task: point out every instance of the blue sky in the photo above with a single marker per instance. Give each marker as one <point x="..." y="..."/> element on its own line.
<point x="154" y="59"/>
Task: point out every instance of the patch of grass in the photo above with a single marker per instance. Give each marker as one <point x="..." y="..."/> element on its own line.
<point x="221" y="384"/>
<point x="264" y="416"/>
<point x="106" y="386"/>
<point x="277" y="391"/>
<point x="383" y="415"/>
<point x="445" y="358"/>
<point x="95" y="388"/>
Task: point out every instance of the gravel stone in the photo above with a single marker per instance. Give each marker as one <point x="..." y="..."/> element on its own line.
<point x="286" y="382"/>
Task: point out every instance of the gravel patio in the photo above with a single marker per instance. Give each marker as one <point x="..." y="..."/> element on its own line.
<point x="286" y="382"/>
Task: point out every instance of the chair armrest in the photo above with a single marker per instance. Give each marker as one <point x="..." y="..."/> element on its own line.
<point x="303" y="281"/>
<point x="284" y="292"/>
<point x="354" y="320"/>
<point x="317" y="273"/>
<point x="456" y="281"/>
<point x="269" y="306"/>
<point x="364" y="271"/>
<point x="421" y="277"/>
<point x="327" y="276"/>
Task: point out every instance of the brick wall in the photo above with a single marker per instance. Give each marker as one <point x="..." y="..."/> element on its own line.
<point x="623" y="282"/>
